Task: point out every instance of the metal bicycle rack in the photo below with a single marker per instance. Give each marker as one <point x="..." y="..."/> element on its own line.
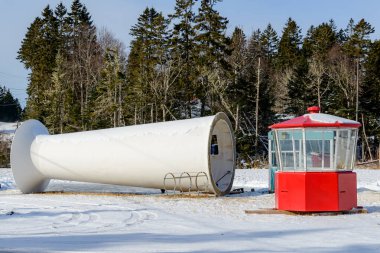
<point x="194" y="182"/>
<point x="205" y="185"/>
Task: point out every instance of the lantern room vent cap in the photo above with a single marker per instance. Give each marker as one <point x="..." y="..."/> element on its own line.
<point x="315" y="119"/>
<point x="314" y="109"/>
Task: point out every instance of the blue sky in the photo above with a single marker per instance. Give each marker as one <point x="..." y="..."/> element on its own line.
<point x="119" y="15"/>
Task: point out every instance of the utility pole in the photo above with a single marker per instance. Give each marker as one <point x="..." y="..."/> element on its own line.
<point x="357" y="90"/>
<point x="257" y="102"/>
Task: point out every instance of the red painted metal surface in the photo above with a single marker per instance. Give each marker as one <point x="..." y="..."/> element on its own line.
<point x="315" y="191"/>
<point x="316" y="119"/>
<point x="306" y="122"/>
<point x="347" y="191"/>
<point x="314" y="109"/>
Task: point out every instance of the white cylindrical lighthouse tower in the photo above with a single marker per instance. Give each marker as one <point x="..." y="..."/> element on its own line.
<point x="194" y="150"/>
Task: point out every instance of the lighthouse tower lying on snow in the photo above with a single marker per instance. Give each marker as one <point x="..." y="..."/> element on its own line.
<point x="194" y="154"/>
<point x="315" y="154"/>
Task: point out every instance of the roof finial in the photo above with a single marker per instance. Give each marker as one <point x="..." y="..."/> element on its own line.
<point x="313" y="109"/>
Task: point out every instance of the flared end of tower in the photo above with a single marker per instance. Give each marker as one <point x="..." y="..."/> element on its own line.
<point x="28" y="179"/>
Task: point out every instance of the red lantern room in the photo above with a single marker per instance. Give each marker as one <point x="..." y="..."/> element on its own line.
<point x="316" y="155"/>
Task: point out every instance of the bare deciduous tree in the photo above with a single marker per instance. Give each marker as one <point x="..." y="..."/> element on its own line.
<point x="162" y="85"/>
<point x="317" y="72"/>
<point x="341" y="71"/>
<point x="85" y="68"/>
<point x="281" y="80"/>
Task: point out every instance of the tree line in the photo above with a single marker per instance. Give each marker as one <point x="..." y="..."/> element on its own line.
<point x="185" y="65"/>
<point x="10" y="109"/>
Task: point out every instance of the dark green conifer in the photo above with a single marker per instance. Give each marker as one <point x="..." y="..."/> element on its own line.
<point x="183" y="49"/>
<point x="289" y="50"/>
<point x="212" y="50"/>
<point x="10" y="109"/>
<point x="37" y="52"/>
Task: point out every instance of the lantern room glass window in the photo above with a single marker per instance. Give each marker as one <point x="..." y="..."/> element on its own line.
<point x="290" y="148"/>
<point x="315" y="149"/>
<point x="345" y="149"/>
<point x="319" y="147"/>
<point x="272" y="153"/>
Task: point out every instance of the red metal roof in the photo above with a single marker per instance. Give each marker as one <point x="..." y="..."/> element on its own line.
<point x="315" y="119"/>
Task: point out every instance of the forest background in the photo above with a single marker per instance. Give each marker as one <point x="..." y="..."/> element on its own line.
<point x="184" y="65"/>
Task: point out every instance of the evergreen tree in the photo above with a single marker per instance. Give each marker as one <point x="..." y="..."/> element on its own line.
<point x="290" y="59"/>
<point x="149" y="53"/>
<point x="212" y="48"/>
<point x="79" y="18"/>
<point x="269" y="42"/>
<point x="10" y="109"/>
<point x="299" y="96"/>
<point x="319" y="40"/>
<point x="358" y="40"/>
<point x="112" y="74"/>
<point x="237" y="60"/>
<point x="74" y="36"/>
<point x="236" y="90"/>
<point x="37" y="52"/>
<point x="63" y="26"/>
<point x="136" y="89"/>
<point x="108" y="108"/>
<point x="316" y="48"/>
<point x="289" y="52"/>
<point x="57" y="97"/>
<point x="183" y="46"/>
<point x="370" y="96"/>
<point x="357" y="47"/>
<point x="211" y="29"/>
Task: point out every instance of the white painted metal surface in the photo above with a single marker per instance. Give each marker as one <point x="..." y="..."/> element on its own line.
<point x="327" y="118"/>
<point x="140" y="155"/>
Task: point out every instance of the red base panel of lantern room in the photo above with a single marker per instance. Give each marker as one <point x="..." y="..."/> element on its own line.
<point x="316" y="191"/>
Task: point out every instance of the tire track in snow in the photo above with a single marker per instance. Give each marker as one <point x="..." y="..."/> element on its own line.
<point x="70" y="217"/>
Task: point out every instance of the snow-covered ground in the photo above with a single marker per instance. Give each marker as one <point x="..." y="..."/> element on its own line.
<point x="143" y="220"/>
